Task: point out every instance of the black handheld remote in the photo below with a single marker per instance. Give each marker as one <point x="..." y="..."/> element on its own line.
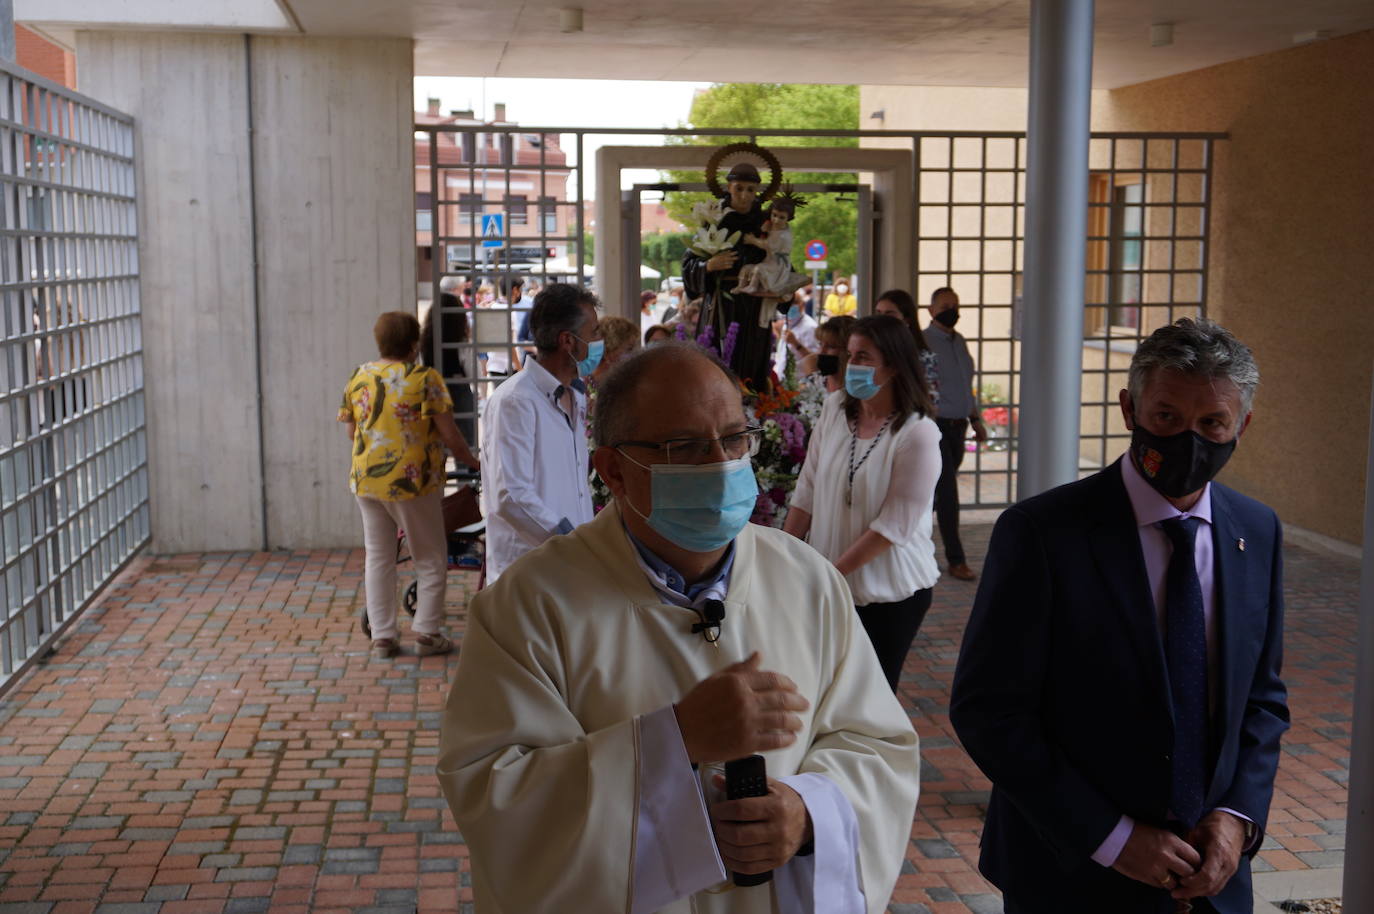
<point x="747" y="777"/>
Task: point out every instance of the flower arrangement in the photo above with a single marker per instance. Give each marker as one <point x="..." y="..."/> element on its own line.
<point x="998" y="417"/>
<point x="786" y="430"/>
<point x="777" y="466"/>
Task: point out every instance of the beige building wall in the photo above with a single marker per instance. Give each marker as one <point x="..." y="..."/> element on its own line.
<point x="1289" y="266"/>
<point x="939" y="108"/>
<point x="331" y="150"/>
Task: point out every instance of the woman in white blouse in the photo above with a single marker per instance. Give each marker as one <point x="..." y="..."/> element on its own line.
<point x="865" y="493"/>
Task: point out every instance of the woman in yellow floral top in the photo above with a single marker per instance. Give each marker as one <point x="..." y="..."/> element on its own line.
<point x="399" y="419"/>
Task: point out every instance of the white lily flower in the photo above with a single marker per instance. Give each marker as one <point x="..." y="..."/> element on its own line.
<point x="708" y="213"/>
<point x="710" y="241"/>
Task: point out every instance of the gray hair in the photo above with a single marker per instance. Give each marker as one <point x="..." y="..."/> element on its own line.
<point x="449" y="283"/>
<point x="615" y="417"/>
<point x="1196" y="347"/>
<point x="558" y="309"/>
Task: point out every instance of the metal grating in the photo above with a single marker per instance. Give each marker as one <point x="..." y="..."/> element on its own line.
<point x="73" y="453"/>
<point x="1146" y="255"/>
<point x="524" y="177"/>
<point x="1146" y="266"/>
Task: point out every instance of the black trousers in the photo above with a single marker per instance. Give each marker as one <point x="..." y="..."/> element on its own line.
<point x="952" y="432"/>
<point x="892" y="627"/>
<point x="464" y="402"/>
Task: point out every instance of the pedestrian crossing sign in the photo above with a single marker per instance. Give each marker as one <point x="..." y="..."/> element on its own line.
<point x="493" y="230"/>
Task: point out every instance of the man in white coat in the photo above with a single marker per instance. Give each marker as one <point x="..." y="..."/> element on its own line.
<point x="609" y="674"/>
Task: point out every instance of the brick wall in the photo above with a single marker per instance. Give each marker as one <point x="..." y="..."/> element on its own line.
<point x="48" y="60"/>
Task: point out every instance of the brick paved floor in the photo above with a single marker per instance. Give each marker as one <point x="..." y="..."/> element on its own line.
<point x="214" y="737"/>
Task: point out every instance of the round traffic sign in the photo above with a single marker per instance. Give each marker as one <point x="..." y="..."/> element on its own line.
<point x="816" y="249"/>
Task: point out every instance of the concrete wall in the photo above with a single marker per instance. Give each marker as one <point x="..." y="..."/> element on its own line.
<point x="336" y="232"/>
<point x="1290" y="271"/>
<point x="189" y="97"/>
<point x="334" y="224"/>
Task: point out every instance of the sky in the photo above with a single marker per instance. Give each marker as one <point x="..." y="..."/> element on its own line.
<point x="571" y="103"/>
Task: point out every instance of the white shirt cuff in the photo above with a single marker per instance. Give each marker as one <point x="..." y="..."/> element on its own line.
<point x="674" y="849"/>
<point x="828" y="880"/>
<point x="1255" y="836"/>
<point x="1110" y="849"/>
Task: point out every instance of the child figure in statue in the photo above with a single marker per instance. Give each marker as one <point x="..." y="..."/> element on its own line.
<point x="773" y="278"/>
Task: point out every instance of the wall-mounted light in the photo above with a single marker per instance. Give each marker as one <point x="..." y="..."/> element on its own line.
<point x="570" y="19"/>
<point x="1309" y="37"/>
<point x="1161" y="34"/>
<point x="879" y="115"/>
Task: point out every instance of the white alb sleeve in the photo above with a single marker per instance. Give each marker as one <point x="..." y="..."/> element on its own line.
<point x="827" y="881"/>
<point x="675" y="851"/>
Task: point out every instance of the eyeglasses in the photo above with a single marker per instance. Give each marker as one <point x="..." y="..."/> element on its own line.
<point x="700" y="450"/>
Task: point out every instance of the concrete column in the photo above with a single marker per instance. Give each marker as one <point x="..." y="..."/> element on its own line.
<point x="610" y="246"/>
<point x="1358" y="894"/>
<point x="1061" y="47"/>
<point x="7" y="31"/>
<point x="331" y="206"/>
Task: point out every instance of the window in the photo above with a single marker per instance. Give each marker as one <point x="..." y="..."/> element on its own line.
<point x="424" y="213"/>
<point x="548" y="215"/>
<point x="1128" y="228"/>
<point x="469" y="147"/>
<point x="469" y="208"/>
<point x="507" y="149"/>
<point x="518" y="208"/>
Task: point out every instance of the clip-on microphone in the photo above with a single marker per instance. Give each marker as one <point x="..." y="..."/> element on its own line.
<point x="711" y="613"/>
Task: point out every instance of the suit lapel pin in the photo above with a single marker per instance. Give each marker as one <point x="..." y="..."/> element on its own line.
<point x="1240" y="544"/>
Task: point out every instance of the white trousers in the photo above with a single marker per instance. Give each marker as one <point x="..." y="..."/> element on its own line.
<point x="422" y="518"/>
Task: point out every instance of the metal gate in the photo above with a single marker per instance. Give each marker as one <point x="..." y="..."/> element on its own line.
<point x="493" y="205"/>
<point x="1146" y="249"/>
<point x="73" y="455"/>
<point x="1146" y="266"/>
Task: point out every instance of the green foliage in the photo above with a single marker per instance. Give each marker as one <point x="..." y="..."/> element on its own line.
<point x="589" y="248"/>
<point x="760" y="106"/>
<point x="663" y="251"/>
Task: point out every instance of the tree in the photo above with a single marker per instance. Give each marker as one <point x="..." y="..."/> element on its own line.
<point x="663" y="251"/>
<point x="759" y="106"/>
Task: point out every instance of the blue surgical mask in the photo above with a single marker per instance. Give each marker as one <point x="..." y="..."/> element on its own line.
<point x="858" y="381"/>
<point x="595" y="349"/>
<point x="700" y="507"/>
<point x="794" y="313"/>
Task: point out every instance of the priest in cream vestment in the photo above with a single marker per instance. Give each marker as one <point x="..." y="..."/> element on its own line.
<point x="596" y="700"/>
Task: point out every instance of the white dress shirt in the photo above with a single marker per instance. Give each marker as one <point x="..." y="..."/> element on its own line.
<point x="804" y="328"/>
<point x="534" y="465"/>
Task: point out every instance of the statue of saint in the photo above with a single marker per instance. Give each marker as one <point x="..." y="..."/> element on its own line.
<point x="730" y="243"/>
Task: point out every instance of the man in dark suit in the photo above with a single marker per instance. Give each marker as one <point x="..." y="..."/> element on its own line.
<point x="1119" y="677"/>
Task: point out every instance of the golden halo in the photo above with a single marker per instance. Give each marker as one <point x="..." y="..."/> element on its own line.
<point x="747" y="152"/>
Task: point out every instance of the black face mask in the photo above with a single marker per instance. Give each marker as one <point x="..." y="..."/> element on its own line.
<point x="828" y="364"/>
<point x="1178" y="465"/>
<point x="948" y="318"/>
